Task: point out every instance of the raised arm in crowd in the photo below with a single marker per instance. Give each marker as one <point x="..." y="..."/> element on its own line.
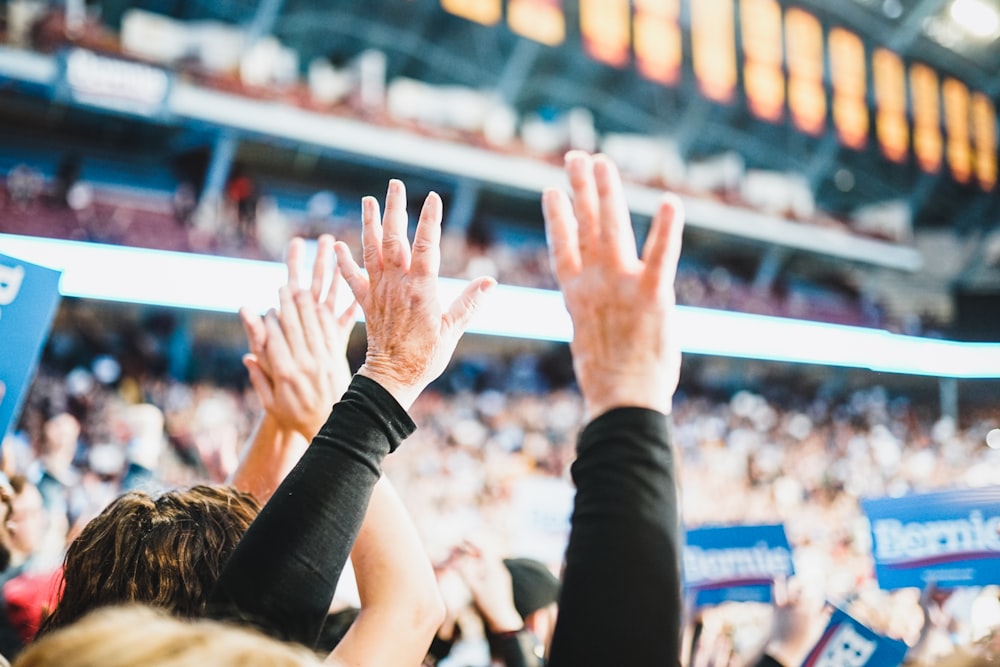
<point x="283" y="574"/>
<point x="620" y="598"/>
<point x="620" y="601"/>
<point x="621" y="595"/>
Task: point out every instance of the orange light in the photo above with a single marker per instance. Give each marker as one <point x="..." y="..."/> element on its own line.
<point x="539" y="20"/>
<point x="713" y="46"/>
<point x="928" y="145"/>
<point x="956" y="121"/>
<point x="804" y="54"/>
<point x="984" y="127"/>
<point x="486" y="12"/>
<point x="849" y="76"/>
<point x="890" y="95"/>
<point x="604" y="25"/>
<point x="763" y="78"/>
<point x="657" y="39"/>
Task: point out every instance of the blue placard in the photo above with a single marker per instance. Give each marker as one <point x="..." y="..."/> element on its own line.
<point x="735" y="563"/>
<point x="29" y="295"/>
<point x="949" y="538"/>
<point x="848" y="643"/>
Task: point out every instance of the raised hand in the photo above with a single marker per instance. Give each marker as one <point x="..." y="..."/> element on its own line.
<point x="625" y="352"/>
<point x="410" y="336"/>
<point x="297" y="361"/>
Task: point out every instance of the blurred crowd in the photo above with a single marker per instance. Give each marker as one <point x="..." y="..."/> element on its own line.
<point x="489" y="465"/>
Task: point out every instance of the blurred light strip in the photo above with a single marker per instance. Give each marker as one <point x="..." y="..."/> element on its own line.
<point x="205" y="282"/>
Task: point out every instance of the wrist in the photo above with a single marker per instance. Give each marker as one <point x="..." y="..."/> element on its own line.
<point x="597" y="403"/>
<point x="404" y="393"/>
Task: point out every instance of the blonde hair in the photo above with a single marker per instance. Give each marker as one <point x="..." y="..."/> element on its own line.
<point x="133" y="636"/>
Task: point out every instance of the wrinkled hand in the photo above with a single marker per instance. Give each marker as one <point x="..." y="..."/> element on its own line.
<point x="410" y="337"/>
<point x="625" y="352"/>
<point x="297" y="361"/>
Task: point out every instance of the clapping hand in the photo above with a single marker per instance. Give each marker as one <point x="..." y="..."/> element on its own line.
<point x="625" y="351"/>
<point x="410" y="336"/>
<point x="297" y="361"/>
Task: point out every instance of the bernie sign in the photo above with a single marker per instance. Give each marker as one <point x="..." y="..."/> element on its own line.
<point x="948" y="539"/>
<point x="735" y="563"/>
<point x="847" y="643"/>
<point x="29" y="295"/>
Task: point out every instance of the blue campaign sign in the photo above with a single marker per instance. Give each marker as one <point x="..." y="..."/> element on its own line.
<point x="948" y="538"/>
<point x="29" y="295"/>
<point x="735" y="563"/>
<point x="848" y="643"/>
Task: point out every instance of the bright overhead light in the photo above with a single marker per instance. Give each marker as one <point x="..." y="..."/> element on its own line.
<point x="980" y="18"/>
<point x="118" y="273"/>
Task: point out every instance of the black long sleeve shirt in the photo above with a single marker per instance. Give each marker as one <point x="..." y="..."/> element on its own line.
<point x="284" y="572"/>
<point x="620" y="602"/>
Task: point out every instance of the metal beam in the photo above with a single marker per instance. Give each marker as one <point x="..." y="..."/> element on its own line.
<point x="263" y="22"/>
<point x="769" y="268"/>
<point x="516" y="70"/>
<point x="948" y="393"/>
<point x="903" y="38"/>
<point x="824" y="159"/>
<point x="219" y="166"/>
<point x="922" y="191"/>
<point x="463" y="206"/>
<point x="969" y="218"/>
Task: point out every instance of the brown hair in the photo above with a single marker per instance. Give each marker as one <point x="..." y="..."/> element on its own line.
<point x="165" y="551"/>
<point x="135" y="636"/>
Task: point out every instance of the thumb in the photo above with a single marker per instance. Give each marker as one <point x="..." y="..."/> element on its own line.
<point x="464" y="306"/>
<point x="258" y="379"/>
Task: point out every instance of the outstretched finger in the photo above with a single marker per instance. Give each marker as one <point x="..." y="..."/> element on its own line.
<point x="312" y="330"/>
<point x="616" y="235"/>
<point x="322" y="266"/>
<point x="580" y="169"/>
<point x="291" y="325"/>
<point x="279" y="355"/>
<point x="427" y="240"/>
<point x="464" y="306"/>
<point x="352" y="273"/>
<point x="663" y="245"/>
<point x="294" y="254"/>
<point x="561" y="233"/>
<point x="371" y="236"/>
<point x="395" y="243"/>
<point x="254" y="328"/>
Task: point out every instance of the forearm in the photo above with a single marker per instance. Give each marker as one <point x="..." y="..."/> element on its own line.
<point x="621" y="593"/>
<point x="284" y="571"/>
<point x="270" y="454"/>
<point x="399" y="592"/>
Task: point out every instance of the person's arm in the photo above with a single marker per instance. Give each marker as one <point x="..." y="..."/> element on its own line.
<point x="297" y="366"/>
<point x="621" y="595"/>
<point x="620" y="601"/>
<point x="399" y="592"/>
<point x="283" y="573"/>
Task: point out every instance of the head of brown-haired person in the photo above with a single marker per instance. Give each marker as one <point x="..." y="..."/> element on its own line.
<point x="165" y="551"/>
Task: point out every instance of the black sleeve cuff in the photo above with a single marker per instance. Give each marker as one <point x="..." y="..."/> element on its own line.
<point x="368" y="397"/>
